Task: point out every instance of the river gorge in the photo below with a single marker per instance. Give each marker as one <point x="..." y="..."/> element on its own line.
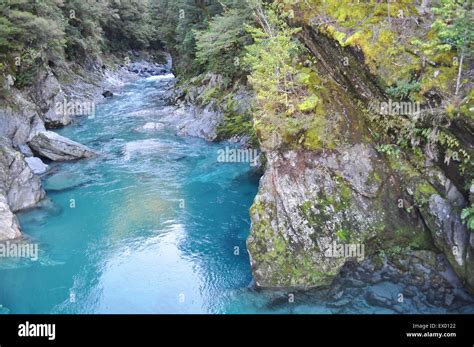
<point x="157" y="223"/>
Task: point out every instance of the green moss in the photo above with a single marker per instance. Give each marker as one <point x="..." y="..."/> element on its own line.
<point x="412" y="239"/>
<point x="309" y="104"/>
<point x="441" y="78"/>
<point x="423" y="191"/>
<point x="313" y="139"/>
<point x="343" y="235"/>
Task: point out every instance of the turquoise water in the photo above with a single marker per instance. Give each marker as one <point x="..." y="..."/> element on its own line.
<point x="153" y="225"/>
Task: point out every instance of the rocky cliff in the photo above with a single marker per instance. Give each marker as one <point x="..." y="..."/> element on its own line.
<point x="345" y="190"/>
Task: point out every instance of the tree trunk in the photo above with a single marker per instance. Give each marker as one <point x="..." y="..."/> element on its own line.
<point x="458" y="82"/>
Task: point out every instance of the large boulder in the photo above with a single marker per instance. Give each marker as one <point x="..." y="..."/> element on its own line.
<point x="52" y="146"/>
<point x="46" y="94"/>
<point x="18" y="183"/>
<point x="441" y="211"/>
<point x="314" y="212"/>
<point x="20" y="119"/>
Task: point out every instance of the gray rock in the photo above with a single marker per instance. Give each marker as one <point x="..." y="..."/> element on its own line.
<point x="9" y="227"/>
<point x="20" y="120"/>
<point x="451" y="236"/>
<point x="21" y="187"/>
<point x="25" y="150"/>
<point x="36" y="165"/>
<point x="46" y="94"/>
<point x="55" y="147"/>
<point x="304" y="200"/>
<point x="384" y="295"/>
<point x="195" y="121"/>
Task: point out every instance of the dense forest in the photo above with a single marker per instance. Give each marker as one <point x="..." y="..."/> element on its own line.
<point x="321" y="75"/>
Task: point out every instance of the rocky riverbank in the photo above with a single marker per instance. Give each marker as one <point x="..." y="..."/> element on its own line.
<point x="27" y="118"/>
<point x="340" y="187"/>
<point x="201" y="104"/>
<point x="344" y="190"/>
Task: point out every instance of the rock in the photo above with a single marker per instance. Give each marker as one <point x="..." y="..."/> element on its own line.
<point x="52" y="146"/>
<point x="448" y="299"/>
<point x="307" y="202"/>
<point x="21" y="120"/>
<point x="107" y="94"/>
<point x="36" y="165"/>
<point x="196" y="116"/>
<point x="384" y="294"/>
<point x="46" y="94"/>
<point x="65" y="180"/>
<point x="17" y="182"/>
<point x="451" y="236"/>
<point x="195" y="121"/>
<point x="146" y="69"/>
<point x="54" y="119"/>
<point x="153" y="126"/>
<point x="9" y="227"/>
<point x="25" y="150"/>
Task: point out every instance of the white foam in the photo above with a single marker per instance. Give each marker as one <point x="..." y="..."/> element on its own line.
<point x="168" y="76"/>
<point x="144" y="147"/>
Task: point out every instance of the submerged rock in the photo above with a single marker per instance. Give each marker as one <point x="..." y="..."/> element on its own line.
<point x="52" y="146"/>
<point x="107" y="94"/>
<point x="152" y="126"/>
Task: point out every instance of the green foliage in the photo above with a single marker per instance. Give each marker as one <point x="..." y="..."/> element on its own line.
<point x="35" y="33"/>
<point x="389" y="149"/>
<point x="30" y="35"/>
<point x="236" y="125"/>
<point x="218" y="47"/>
<point x="467" y="216"/>
<point x="454" y="25"/>
<point x="403" y="90"/>
<point x="129" y="25"/>
<point x="83" y="31"/>
<point x="178" y="21"/>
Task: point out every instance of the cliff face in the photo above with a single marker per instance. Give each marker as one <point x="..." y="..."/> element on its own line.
<point x="311" y="201"/>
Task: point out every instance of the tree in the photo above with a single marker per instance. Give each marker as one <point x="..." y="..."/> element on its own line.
<point x="218" y="47"/>
<point x="454" y="30"/>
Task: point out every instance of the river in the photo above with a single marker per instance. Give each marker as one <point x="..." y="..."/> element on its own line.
<point x="155" y="224"/>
